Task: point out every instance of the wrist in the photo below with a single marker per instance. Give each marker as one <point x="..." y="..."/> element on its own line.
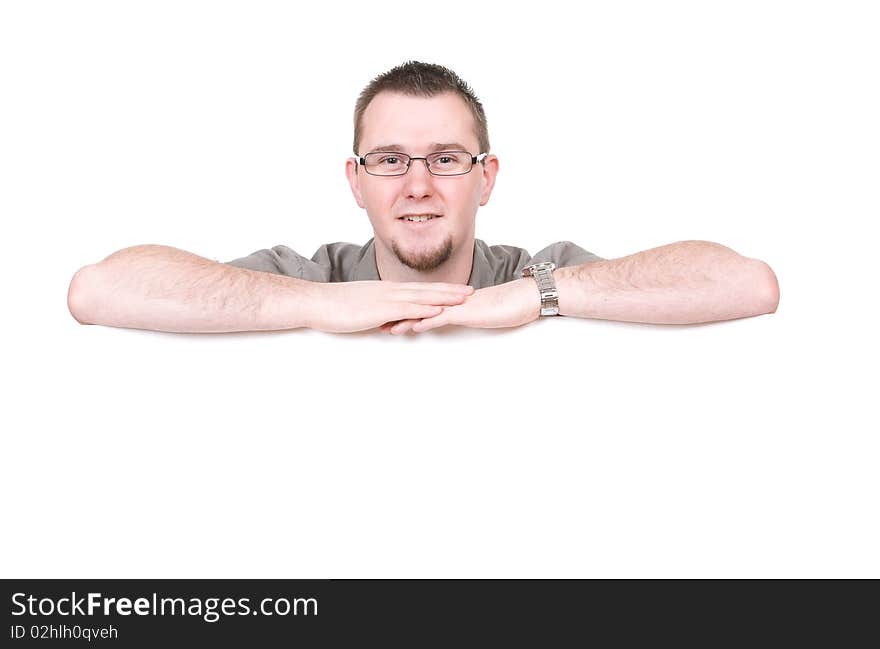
<point x="298" y="305"/>
<point x="563" y="279"/>
<point x="531" y="296"/>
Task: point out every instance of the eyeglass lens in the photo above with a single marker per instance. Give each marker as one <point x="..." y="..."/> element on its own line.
<point x="442" y="163"/>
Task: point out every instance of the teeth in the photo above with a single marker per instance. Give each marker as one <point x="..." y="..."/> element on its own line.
<point x="419" y="219"/>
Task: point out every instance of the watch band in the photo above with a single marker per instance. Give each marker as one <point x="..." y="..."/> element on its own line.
<point x="543" y="274"/>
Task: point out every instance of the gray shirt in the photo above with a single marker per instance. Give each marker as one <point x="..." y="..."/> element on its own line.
<point x="348" y="262"/>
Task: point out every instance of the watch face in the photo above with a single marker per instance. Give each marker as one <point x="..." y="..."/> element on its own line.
<point x="529" y="270"/>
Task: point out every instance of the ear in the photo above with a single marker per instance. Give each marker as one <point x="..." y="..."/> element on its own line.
<point x="354" y="180"/>
<point x="490" y="170"/>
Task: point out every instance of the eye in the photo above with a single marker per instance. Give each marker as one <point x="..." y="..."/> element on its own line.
<point x="447" y="158"/>
<point x="391" y="159"/>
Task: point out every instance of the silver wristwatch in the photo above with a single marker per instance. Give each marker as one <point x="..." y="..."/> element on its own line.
<point x="543" y="274"/>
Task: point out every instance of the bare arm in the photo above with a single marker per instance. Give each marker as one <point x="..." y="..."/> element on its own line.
<point x="167" y="289"/>
<point x="680" y="283"/>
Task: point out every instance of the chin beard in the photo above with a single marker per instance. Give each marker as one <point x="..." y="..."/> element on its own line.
<point x="424" y="261"/>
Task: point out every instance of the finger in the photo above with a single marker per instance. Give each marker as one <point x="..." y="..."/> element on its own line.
<point x="403" y="326"/>
<point x="426" y="324"/>
<point x="438" y="286"/>
<point x="431" y="297"/>
<point x="417" y="311"/>
<point x="423" y="325"/>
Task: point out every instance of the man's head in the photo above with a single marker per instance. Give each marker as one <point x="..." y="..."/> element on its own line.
<point x="419" y="109"/>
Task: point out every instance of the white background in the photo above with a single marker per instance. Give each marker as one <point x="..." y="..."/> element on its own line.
<point x="566" y="448"/>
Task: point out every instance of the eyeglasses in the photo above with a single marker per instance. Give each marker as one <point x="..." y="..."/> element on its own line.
<point x="442" y="163"/>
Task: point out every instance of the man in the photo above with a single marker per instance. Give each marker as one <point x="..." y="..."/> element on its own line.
<point x="422" y="167"/>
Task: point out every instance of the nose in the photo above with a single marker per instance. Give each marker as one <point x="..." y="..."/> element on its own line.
<point x="419" y="181"/>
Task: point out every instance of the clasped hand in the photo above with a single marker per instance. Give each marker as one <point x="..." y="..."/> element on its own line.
<point x="398" y="307"/>
<point x="511" y="304"/>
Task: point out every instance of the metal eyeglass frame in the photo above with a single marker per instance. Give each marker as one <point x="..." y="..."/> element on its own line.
<point x="361" y="160"/>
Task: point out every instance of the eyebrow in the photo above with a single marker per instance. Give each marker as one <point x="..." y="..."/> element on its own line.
<point x="446" y="146"/>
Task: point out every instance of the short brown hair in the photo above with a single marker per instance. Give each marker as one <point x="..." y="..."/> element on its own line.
<point x="419" y="79"/>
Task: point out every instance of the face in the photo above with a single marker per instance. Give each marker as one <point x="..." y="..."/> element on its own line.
<point x="415" y="125"/>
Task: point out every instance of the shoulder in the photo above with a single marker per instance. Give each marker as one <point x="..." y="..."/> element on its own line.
<point x="502" y="263"/>
<point x="564" y="253"/>
<point x="329" y="263"/>
<point x="341" y="259"/>
<point x="500" y="253"/>
<point x="496" y="264"/>
<point x="281" y="260"/>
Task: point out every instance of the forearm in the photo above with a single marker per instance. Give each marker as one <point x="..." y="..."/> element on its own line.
<point x="680" y="283"/>
<point x="166" y="289"/>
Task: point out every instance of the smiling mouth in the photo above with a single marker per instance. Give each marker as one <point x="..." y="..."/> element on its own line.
<point x="420" y="221"/>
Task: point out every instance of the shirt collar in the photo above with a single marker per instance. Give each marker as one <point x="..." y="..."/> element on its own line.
<point x="482" y="275"/>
